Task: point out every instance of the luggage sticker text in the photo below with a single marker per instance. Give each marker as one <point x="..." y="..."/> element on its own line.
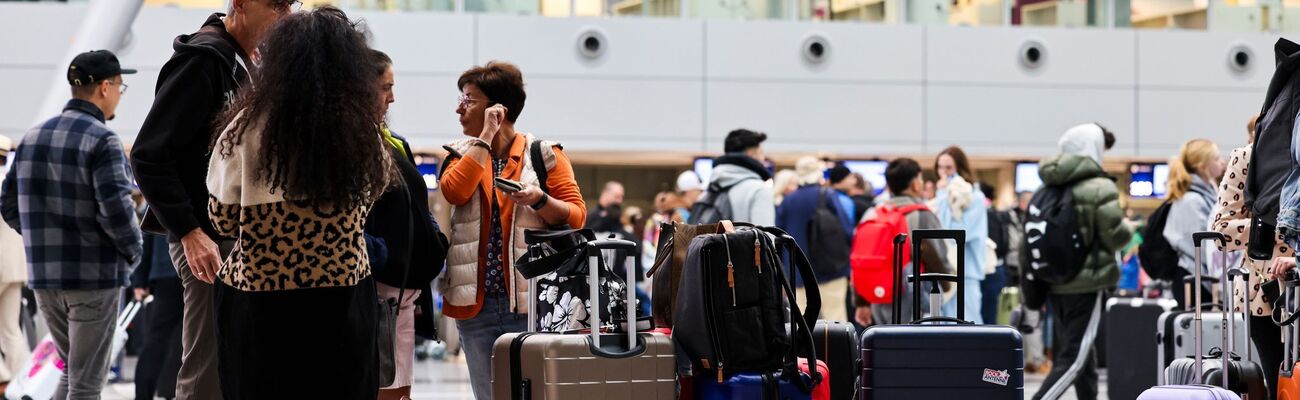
<point x="996" y="377"/>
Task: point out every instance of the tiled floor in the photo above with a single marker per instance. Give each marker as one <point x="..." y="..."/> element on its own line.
<point x="443" y="380"/>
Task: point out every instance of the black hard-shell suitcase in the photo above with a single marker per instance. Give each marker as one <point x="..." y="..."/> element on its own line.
<point x="1131" y="331"/>
<point x="958" y="360"/>
<point x="837" y="345"/>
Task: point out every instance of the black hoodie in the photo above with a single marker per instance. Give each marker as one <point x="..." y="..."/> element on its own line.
<point x="1271" y="159"/>
<point x="170" y="155"/>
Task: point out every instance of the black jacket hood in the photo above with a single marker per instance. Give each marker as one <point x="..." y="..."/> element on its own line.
<point x="212" y="38"/>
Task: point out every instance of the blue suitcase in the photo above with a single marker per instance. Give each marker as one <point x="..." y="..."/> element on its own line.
<point x="957" y="360"/>
<point x="747" y="386"/>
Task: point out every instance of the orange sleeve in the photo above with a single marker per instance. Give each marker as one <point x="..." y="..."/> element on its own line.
<point x="564" y="187"/>
<point x="461" y="179"/>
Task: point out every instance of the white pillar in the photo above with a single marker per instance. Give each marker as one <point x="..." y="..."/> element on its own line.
<point x="104" y="26"/>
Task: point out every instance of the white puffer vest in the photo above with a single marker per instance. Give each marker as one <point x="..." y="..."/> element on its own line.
<point x="459" y="283"/>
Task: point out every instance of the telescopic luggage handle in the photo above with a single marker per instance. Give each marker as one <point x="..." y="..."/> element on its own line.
<point x="594" y="249"/>
<point x="919" y="236"/>
<point x="897" y="305"/>
<point x="1197" y="238"/>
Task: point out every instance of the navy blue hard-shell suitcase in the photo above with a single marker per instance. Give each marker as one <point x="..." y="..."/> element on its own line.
<point x="939" y="357"/>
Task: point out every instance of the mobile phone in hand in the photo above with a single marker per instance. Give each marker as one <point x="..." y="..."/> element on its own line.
<point x="507" y="185"/>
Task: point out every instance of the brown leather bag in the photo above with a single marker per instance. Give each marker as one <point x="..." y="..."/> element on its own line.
<point x="674" y="239"/>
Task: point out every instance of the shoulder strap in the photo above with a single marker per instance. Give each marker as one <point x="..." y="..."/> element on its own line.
<point x="539" y="165"/>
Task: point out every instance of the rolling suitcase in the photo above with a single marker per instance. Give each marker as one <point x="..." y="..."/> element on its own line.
<point x="1221" y="366"/>
<point x="1130" y="328"/>
<point x="1176" y="327"/>
<point x="1188" y="392"/>
<point x="768" y="386"/>
<point x="630" y="365"/>
<point x="837" y="344"/>
<point x="957" y="360"/>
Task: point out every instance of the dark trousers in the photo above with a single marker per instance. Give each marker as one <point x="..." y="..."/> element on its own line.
<point x="160" y="360"/>
<point x="1072" y="315"/>
<point x="1268" y="339"/>
<point x="314" y="343"/>
<point x="991" y="288"/>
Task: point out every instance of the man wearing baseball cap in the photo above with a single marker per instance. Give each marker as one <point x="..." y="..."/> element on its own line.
<point x="69" y="194"/>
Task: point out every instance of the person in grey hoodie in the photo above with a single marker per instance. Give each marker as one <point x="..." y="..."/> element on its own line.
<point x="1192" y="174"/>
<point x="741" y="171"/>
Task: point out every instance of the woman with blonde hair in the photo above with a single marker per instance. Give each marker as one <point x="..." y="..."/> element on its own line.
<point x="1191" y="197"/>
<point x="784" y="183"/>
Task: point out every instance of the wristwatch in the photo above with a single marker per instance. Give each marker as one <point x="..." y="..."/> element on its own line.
<point x="541" y="203"/>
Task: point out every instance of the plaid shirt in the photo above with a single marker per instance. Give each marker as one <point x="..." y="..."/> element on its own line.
<point x="69" y="194"/>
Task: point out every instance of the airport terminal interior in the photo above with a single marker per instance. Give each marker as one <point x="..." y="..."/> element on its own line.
<point x="1097" y="116"/>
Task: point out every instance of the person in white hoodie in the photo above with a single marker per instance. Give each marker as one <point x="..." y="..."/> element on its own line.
<point x="13" y="273"/>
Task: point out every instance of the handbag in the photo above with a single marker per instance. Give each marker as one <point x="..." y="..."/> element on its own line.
<point x="562" y="297"/>
<point x="665" y="274"/>
<point x="386" y="335"/>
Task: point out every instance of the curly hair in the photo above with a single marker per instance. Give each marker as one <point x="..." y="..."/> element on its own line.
<point x="319" y="136"/>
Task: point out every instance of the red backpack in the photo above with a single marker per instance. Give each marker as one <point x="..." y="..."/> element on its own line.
<point x="873" y="252"/>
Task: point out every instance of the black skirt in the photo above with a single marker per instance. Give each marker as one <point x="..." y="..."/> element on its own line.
<point x="298" y="344"/>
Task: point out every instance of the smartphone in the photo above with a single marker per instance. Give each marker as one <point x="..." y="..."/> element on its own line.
<point x="507" y="185"/>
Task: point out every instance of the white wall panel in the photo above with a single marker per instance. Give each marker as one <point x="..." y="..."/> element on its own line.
<point x="154" y="31"/>
<point x="623" y="114"/>
<point x="427" y="43"/>
<point x="37" y="33"/>
<point x="1021" y="120"/>
<point x="772" y="50"/>
<point x="1200" y="60"/>
<point x="839" y="117"/>
<point x="992" y="55"/>
<point x="1167" y="118"/>
<point x="634" y="47"/>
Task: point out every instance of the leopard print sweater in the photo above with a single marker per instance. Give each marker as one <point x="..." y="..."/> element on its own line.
<point x="281" y="244"/>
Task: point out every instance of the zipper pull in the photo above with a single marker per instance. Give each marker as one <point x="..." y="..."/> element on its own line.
<point x="731" y="281"/>
<point x="720" y="372"/>
<point x="758" y="255"/>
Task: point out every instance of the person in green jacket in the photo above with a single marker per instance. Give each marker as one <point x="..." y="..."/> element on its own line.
<point x="1076" y="305"/>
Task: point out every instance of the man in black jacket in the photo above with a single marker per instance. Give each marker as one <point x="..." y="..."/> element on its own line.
<point x="170" y="160"/>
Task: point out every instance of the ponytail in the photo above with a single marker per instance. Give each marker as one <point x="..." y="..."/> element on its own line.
<point x="1180" y="178"/>
<point x="1183" y="166"/>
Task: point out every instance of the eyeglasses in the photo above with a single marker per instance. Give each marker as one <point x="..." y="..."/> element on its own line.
<point x="290" y="6"/>
<point x="121" y="86"/>
<point x="464" y="100"/>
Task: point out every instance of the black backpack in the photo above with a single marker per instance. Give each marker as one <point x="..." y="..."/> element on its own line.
<point x="828" y="243"/>
<point x="1157" y="257"/>
<point x="714" y="205"/>
<point x="1053" y="243"/>
<point x="736" y="310"/>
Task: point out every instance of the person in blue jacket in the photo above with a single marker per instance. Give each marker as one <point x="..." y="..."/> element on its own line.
<point x="794" y="214"/>
<point x="960" y="205"/>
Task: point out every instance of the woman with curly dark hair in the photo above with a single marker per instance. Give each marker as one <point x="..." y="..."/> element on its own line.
<point x="292" y="176"/>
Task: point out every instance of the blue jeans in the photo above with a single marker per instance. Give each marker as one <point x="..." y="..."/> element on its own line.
<point x="477" y="335"/>
<point x="973" y="298"/>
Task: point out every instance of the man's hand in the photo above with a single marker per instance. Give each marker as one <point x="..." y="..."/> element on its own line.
<point x="863" y="315"/>
<point x="201" y="254"/>
<point x="141" y="293"/>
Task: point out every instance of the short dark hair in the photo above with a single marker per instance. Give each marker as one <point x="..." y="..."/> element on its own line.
<point x="838" y="173"/>
<point x="900" y="173"/>
<point x="740" y="140"/>
<point x="501" y="82"/>
<point x="86" y="91"/>
<point x="1106" y="133"/>
<point x="380" y="61"/>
